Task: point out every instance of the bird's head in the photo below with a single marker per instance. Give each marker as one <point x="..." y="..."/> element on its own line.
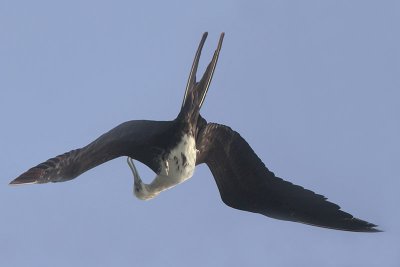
<point x="143" y="191"/>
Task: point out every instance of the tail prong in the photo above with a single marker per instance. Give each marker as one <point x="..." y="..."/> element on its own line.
<point x="212" y="65"/>
<point x="193" y="70"/>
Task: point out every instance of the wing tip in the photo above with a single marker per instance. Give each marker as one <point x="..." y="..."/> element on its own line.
<point x="371" y="229"/>
<point x="31" y="176"/>
<point x="366" y="227"/>
<point x="348" y="225"/>
<point x="355" y="225"/>
<point x="18" y="181"/>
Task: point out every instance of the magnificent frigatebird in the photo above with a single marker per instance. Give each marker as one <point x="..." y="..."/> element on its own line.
<point x="172" y="149"/>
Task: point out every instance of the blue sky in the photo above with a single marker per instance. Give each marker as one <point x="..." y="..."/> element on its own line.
<point x="313" y="86"/>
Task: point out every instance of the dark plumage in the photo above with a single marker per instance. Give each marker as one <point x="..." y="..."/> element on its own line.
<point x="242" y="178"/>
<point x="246" y="184"/>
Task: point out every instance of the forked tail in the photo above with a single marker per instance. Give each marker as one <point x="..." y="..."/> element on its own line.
<point x="196" y="92"/>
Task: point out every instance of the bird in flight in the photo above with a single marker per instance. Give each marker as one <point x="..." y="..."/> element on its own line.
<point x="172" y="149"/>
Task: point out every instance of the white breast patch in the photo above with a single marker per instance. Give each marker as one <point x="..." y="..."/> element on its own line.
<point x="181" y="160"/>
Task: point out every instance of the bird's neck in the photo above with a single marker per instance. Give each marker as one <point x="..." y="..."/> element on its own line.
<point x="150" y="191"/>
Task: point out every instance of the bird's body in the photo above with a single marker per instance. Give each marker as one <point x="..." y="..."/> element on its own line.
<point x="176" y="167"/>
<point x="172" y="149"/>
<point x="181" y="160"/>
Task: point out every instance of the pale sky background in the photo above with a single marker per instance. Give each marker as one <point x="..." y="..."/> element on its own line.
<point x="313" y="86"/>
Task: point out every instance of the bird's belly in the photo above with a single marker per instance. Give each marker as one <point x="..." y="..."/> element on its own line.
<point x="181" y="161"/>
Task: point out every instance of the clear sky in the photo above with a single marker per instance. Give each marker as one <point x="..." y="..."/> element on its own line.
<point x="313" y="86"/>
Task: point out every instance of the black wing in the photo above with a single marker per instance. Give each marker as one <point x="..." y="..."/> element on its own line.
<point x="136" y="139"/>
<point x="246" y="184"/>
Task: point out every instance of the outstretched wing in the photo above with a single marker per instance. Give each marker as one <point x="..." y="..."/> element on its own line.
<point x="132" y="138"/>
<point x="246" y="184"/>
